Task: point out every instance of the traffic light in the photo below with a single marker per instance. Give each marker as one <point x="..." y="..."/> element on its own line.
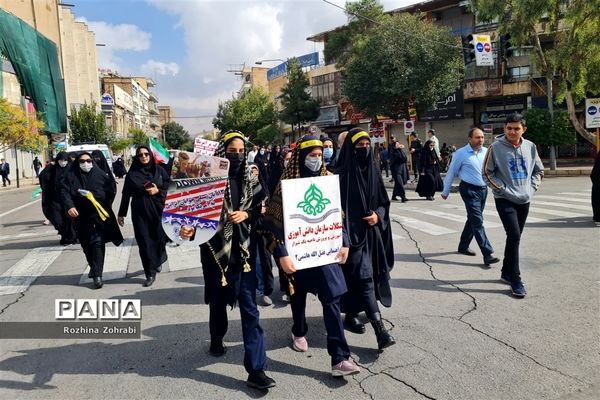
<point x="468" y="46"/>
<point x="506" y="50"/>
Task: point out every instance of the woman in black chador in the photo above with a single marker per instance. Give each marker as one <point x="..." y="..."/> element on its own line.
<point x="366" y="206"/>
<point x="228" y="276"/>
<point x="326" y="281"/>
<point x="101" y="162"/>
<point x="51" y="179"/>
<point x="430" y="180"/>
<point x="95" y="225"/>
<point x="146" y="184"/>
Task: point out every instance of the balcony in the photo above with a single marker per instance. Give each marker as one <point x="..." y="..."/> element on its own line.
<point x="153" y="97"/>
<point x="152" y="108"/>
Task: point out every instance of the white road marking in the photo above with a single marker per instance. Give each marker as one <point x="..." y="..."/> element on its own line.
<point x="423" y="226"/>
<point x="583" y="194"/>
<point x="560" y="198"/>
<point x="530" y="219"/>
<point x="183" y="257"/>
<point x="21" y="275"/>
<point x="45" y="232"/>
<point x="396" y="237"/>
<point x="557" y="213"/>
<point x="116" y="261"/>
<point x="452" y="217"/>
<point x="19" y="208"/>
<point x="572" y="206"/>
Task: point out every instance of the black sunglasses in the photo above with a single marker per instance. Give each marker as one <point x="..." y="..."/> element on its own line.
<point x="144" y="155"/>
<point x="87" y="160"/>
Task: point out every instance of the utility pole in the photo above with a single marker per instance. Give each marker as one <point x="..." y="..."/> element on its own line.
<point x="549" y="91"/>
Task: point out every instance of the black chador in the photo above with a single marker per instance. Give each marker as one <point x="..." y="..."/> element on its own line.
<point x="430" y="180"/>
<point x="95" y="224"/>
<point x="51" y="179"/>
<point x="366" y="205"/>
<point x="327" y="281"/>
<point x="146" y="186"/>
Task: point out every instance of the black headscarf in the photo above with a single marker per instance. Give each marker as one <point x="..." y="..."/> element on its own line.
<point x="139" y="173"/>
<point x="428" y="156"/>
<point x="100" y="161"/>
<point x="59" y="172"/>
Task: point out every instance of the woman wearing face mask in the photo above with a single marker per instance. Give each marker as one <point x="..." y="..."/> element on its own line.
<point x="51" y="178"/>
<point x="327" y="281"/>
<point x="274" y="157"/>
<point x="228" y="276"/>
<point x="262" y="161"/>
<point x="146" y="186"/>
<point x="93" y="229"/>
<point x="366" y="205"/>
<point x="329" y="154"/>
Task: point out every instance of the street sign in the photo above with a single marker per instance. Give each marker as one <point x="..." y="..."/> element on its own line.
<point x="592" y="113"/>
<point x="409" y="127"/>
<point x="483" y="51"/>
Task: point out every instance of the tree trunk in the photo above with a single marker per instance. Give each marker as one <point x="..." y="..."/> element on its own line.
<point x="550" y="94"/>
<point x="573" y="118"/>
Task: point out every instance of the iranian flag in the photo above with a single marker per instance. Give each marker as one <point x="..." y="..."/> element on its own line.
<point x="161" y="155"/>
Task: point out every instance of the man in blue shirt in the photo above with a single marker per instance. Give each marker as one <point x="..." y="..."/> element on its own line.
<point x="467" y="163"/>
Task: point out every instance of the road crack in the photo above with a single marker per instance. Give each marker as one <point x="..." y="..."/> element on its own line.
<point x="474" y="308"/>
<point x="21" y="295"/>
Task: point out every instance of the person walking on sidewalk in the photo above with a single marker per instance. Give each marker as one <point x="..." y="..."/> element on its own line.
<point x="37" y="165"/>
<point x="415" y="150"/>
<point x="595" y="177"/>
<point x="467" y="164"/>
<point x="398" y="160"/>
<point x="513" y="170"/>
<point x="5" y="171"/>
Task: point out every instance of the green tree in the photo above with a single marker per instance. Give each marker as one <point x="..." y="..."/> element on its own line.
<point x="120" y="144"/>
<point x="138" y="137"/>
<point x="175" y="135"/>
<point x="402" y="59"/>
<point x="564" y="35"/>
<point x="17" y="129"/>
<point x="252" y="114"/>
<point x="298" y="106"/>
<point x="88" y="125"/>
<point x="546" y="132"/>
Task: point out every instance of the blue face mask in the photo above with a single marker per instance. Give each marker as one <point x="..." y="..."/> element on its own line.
<point x="327" y="153"/>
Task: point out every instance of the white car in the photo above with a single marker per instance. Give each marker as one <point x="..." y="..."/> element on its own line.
<point x="78" y="148"/>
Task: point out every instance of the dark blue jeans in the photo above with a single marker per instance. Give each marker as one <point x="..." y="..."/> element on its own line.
<point x="474" y="198"/>
<point x="513" y="218"/>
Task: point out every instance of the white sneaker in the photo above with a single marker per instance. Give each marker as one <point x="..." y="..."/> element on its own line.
<point x="299" y="343"/>
<point x="263" y="300"/>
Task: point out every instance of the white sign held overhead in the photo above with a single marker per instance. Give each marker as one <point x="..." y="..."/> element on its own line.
<point x="205" y="146"/>
<point x="592" y="113"/>
<point x="312" y="216"/>
<point x="483" y="51"/>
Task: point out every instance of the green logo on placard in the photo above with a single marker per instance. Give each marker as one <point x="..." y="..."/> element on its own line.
<point x="313" y="203"/>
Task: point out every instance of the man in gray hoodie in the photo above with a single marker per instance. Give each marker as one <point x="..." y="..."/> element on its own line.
<point x="513" y="170"/>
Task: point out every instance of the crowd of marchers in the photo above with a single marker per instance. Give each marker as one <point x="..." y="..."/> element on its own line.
<point x="238" y="261"/>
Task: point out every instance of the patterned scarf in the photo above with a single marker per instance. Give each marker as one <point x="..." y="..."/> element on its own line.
<point x="220" y="244"/>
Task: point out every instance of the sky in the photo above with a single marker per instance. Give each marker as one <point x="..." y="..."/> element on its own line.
<point x="187" y="46"/>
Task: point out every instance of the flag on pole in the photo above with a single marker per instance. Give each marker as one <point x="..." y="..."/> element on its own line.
<point x="161" y="155"/>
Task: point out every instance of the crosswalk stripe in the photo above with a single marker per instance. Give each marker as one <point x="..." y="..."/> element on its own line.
<point x="572" y="206"/>
<point x="530" y="219"/>
<point x="557" y="213"/>
<point x="560" y="198"/>
<point x="396" y="236"/>
<point x="423" y="226"/>
<point x="46" y="232"/>
<point x="583" y="194"/>
<point x="183" y="257"/>
<point x="116" y="261"/>
<point x="18" y="278"/>
<point x="452" y="217"/>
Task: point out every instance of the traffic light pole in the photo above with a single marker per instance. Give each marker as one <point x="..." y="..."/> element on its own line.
<point x="549" y="91"/>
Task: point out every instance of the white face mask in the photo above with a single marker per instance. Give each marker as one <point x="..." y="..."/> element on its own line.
<point x="86" y="167"/>
<point x="313" y="163"/>
<point x="262" y="151"/>
<point x="63" y="163"/>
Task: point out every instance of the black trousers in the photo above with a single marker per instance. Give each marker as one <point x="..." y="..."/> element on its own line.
<point x="94" y="249"/>
<point x="5" y="179"/>
<point x="255" y="356"/>
<point x="358" y="273"/>
<point x="596" y="201"/>
<point x="337" y="347"/>
<point x="513" y="217"/>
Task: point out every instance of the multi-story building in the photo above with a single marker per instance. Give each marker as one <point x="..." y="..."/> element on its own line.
<point x="253" y="77"/>
<point x="165" y="114"/>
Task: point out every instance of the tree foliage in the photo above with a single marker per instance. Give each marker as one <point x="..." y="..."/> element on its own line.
<point x="572" y="27"/>
<point x="19" y="129"/>
<point x="401" y="59"/>
<point x="542" y="132"/>
<point x="138" y="137"/>
<point x="298" y="106"/>
<point x="252" y="114"/>
<point x="120" y="144"/>
<point x="175" y="135"/>
<point x="88" y="125"/>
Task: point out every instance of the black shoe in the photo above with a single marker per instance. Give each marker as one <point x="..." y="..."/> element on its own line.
<point x="404" y="200"/>
<point x="90" y="274"/>
<point x="217" y="348"/>
<point x="98" y="282"/>
<point x="352" y="324"/>
<point x="468" y="252"/>
<point x="490" y="260"/>
<point x="430" y="198"/>
<point x="260" y="380"/>
<point x="149" y="281"/>
<point x="384" y="339"/>
<point x="159" y="268"/>
<point x="395" y="198"/>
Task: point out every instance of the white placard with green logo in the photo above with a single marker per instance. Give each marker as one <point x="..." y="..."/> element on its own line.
<point x="312" y="216"/>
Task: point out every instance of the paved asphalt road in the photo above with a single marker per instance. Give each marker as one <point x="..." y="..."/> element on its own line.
<point x="460" y="334"/>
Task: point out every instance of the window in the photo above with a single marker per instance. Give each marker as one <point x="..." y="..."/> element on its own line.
<point x="518" y="72"/>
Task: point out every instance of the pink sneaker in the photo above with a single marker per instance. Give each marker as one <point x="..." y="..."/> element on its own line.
<point x="346" y="367"/>
<point x="299" y="343"/>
